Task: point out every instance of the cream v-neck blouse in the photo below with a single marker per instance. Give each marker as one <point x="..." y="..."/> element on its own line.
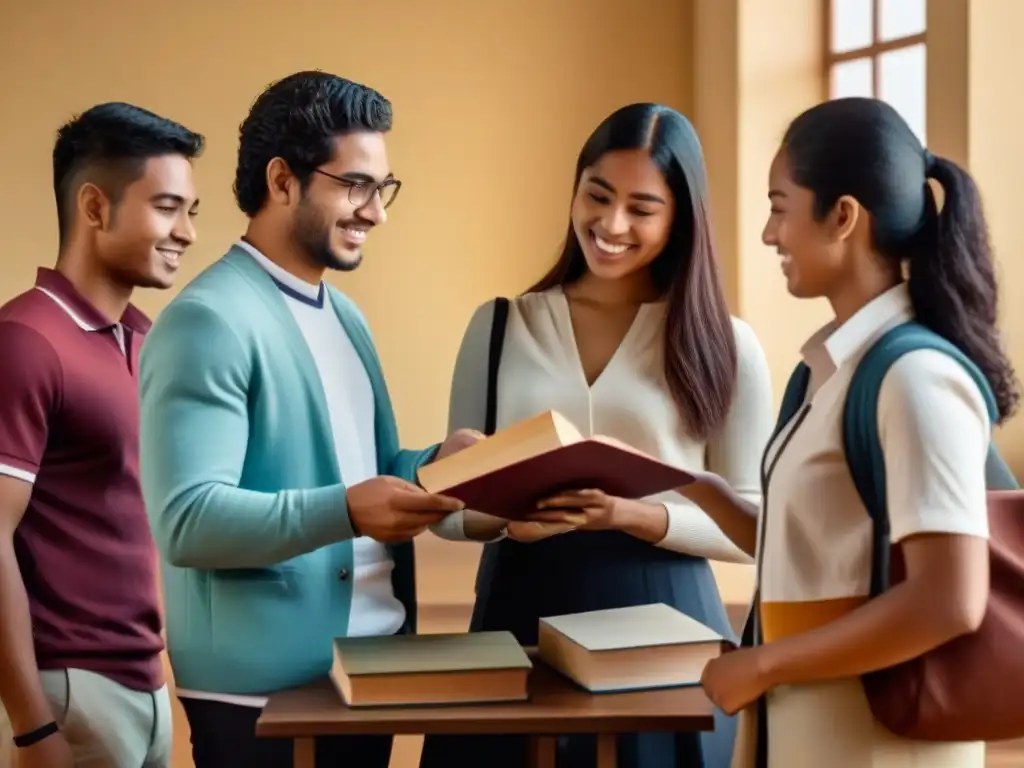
<point x="630" y="400"/>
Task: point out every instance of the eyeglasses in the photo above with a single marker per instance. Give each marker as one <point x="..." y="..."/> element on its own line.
<point x="362" y="189"/>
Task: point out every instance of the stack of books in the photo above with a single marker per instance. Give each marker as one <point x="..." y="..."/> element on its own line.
<point x="623" y="649"/>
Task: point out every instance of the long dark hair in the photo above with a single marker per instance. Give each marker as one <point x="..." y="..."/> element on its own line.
<point x="699" y="343"/>
<point x="863" y="148"/>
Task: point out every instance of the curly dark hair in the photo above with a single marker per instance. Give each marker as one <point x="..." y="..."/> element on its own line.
<point x="862" y="147"/>
<point x="296" y="119"/>
<point x="110" y="144"/>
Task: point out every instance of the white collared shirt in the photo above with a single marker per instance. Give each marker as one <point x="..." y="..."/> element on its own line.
<point x="935" y="431"/>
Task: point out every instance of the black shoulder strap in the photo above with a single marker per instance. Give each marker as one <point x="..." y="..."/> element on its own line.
<point x="792" y="401"/>
<point x="494" y="361"/>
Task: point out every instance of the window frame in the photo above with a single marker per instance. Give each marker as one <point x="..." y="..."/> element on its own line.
<point x="871" y="52"/>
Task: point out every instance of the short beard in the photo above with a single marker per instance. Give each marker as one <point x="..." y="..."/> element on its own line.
<point x="313" y="235"/>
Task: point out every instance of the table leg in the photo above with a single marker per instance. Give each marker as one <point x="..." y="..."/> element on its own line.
<point x="607" y="755"/>
<point x="304" y="755"/>
<point x="543" y="751"/>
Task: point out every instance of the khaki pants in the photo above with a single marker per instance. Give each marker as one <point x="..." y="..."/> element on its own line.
<point x="106" y="724"/>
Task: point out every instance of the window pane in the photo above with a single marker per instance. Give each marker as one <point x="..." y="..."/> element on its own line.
<point x="852" y="26"/>
<point x="901" y="82"/>
<point x="901" y="18"/>
<point x="853" y="78"/>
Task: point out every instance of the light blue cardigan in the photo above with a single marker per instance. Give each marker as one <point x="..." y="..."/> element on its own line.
<point x="242" y="484"/>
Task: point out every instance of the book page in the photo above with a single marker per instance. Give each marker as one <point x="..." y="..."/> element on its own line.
<point x="539" y="434"/>
<point x="635" y="627"/>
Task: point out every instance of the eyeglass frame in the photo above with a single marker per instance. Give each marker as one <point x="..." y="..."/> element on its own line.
<point x="354" y="181"/>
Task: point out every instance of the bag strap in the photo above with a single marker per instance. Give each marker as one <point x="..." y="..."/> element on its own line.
<point x="494" y="362"/>
<point x="792" y="399"/>
<point x="863" y="446"/>
<point x="998" y="475"/>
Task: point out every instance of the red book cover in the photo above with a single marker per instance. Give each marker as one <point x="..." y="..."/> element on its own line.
<point x="513" y="490"/>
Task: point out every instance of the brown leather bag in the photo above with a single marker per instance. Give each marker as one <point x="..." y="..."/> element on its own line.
<point x="971" y="688"/>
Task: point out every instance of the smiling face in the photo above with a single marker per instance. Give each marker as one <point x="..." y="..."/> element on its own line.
<point x="340" y="204"/>
<point x="142" y="238"/>
<point x="815" y="252"/>
<point x="622" y="213"/>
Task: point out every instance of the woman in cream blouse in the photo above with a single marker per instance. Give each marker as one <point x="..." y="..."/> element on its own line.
<point x="852" y="214"/>
<point x="627" y="336"/>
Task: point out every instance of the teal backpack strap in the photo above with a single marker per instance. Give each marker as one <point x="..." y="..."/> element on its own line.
<point x="863" y="446"/>
<point x="998" y="475"/>
<point x="792" y="398"/>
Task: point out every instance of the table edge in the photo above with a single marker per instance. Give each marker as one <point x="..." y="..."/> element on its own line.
<point x="620" y="723"/>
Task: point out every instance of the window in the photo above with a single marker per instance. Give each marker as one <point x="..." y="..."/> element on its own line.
<point x="876" y="48"/>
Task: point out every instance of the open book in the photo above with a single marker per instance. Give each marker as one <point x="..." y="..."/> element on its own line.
<point x="509" y="472"/>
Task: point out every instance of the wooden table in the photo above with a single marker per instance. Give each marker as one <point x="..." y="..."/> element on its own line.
<point x="556" y="706"/>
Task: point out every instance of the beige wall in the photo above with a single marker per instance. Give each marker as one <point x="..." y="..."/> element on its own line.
<point x="747" y="87"/>
<point x="493" y="101"/>
<point x="491" y="108"/>
<point x="974" y="117"/>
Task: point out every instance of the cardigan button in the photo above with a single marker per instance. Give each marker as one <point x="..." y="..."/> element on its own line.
<point x="343" y="574"/>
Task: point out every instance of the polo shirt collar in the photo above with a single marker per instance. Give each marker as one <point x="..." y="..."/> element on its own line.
<point x="80" y="310"/>
<point x="833" y="345"/>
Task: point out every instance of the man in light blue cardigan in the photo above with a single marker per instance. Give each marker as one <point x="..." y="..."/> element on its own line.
<point x="278" y="494"/>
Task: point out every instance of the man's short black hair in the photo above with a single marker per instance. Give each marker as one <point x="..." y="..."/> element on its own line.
<point x="109" y="144"/>
<point x="296" y="119"/>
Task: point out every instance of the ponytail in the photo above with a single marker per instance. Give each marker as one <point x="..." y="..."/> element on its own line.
<point x="864" y="148"/>
<point x="952" y="281"/>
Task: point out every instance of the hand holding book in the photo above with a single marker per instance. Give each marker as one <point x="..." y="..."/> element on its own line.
<point x="510" y="472"/>
<point x="390" y="509"/>
<point x="568" y="511"/>
<point x="593" y="510"/>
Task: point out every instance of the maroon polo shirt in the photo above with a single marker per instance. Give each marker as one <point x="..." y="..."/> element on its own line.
<point x="70" y="426"/>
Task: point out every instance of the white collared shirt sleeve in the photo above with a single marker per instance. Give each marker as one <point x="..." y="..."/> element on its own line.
<point x="935" y="433"/>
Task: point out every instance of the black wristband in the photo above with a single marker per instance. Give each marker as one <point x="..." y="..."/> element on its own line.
<point x="34" y="737"/>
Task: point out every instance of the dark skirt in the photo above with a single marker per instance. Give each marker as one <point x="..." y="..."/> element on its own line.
<point x="584" y="571"/>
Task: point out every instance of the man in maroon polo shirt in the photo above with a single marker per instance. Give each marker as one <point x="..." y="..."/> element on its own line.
<point x="80" y="628"/>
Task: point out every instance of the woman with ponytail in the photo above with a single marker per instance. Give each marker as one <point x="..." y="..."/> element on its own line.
<point x="863" y="216"/>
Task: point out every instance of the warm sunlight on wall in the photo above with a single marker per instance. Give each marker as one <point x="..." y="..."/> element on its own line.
<point x="492" y="103"/>
<point x="758" y="65"/>
<point x="746" y="90"/>
<point x="974" y="61"/>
